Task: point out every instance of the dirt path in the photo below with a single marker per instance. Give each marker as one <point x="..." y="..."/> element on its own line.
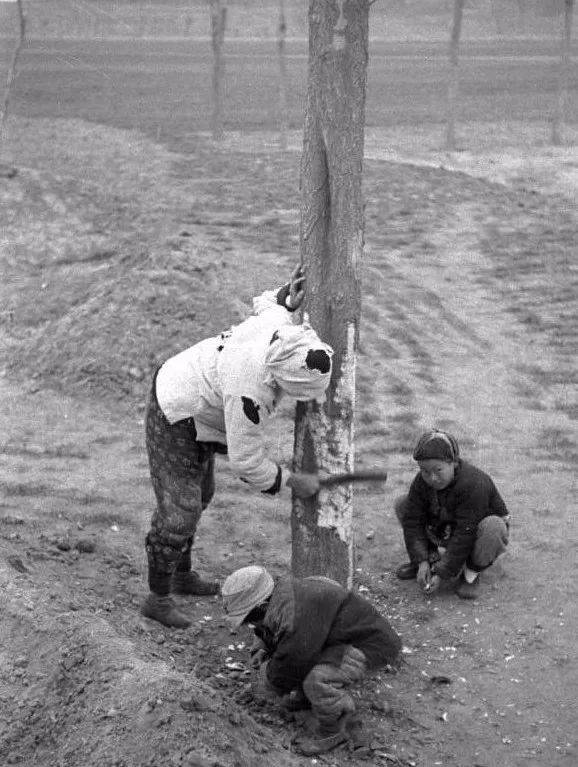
<point x="455" y="354"/>
<point x="467" y="323"/>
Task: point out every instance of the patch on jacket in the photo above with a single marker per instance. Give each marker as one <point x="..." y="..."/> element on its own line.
<point x="318" y="359"/>
<point x="226" y="334"/>
<point x="251" y="409"/>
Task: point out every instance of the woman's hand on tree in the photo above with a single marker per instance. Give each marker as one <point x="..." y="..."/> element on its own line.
<point x="296" y="287"/>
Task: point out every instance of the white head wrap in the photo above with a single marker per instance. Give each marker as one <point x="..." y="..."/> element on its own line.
<point x="287" y="362"/>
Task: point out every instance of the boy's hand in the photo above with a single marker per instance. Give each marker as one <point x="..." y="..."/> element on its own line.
<point x="258" y="658"/>
<point x="262" y="690"/>
<point x="432" y="585"/>
<point x="304" y="485"/>
<point x="423" y="574"/>
<point x="296" y="287"/>
<point x="258" y="653"/>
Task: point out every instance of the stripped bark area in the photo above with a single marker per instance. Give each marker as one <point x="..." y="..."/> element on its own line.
<point x="331" y="251"/>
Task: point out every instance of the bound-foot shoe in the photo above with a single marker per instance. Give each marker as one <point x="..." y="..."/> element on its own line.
<point x="359" y="739"/>
<point x="164" y="610"/>
<point x="467" y="590"/>
<point x="321" y="742"/>
<point x="295" y="701"/>
<point x="407" y="572"/>
<point x="192" y="584"/>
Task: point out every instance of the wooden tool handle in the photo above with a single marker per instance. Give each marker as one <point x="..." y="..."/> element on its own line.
<point x="353" y="476"/>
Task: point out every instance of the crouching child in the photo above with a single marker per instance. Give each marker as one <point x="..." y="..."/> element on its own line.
<point x="314" y="640"/>
<point x="454" y="506"/>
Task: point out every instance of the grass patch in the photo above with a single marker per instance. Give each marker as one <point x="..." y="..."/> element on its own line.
<point x="24" y="489"/>
<point x="39" y="451"/>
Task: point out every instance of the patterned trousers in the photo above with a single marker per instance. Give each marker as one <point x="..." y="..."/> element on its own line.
<point x="182" y="475"/>
<point x="325" y="686"/>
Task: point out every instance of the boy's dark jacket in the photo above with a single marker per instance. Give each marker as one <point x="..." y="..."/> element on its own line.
<point x="312" y="620"/>
<point x="470" y="497"/>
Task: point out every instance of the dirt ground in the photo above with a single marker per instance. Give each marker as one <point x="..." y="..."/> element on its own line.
<point x="117" y="252"/>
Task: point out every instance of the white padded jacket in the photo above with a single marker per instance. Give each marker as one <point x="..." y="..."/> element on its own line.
<point x="231" y="383"/>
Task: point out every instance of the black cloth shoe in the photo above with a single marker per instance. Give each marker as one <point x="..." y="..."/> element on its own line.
<point x="321" y="742"/>
<point x="192" y="584"/>
<point x="407" y="572"/>
<point x="161" y="608"/>
<point x="467" y="590"/>
<point x="295" y="701"/>
<point x="359" y="739"/>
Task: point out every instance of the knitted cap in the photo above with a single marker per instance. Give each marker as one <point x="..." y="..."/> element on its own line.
<point x="243" y="590"/>
<point x="436" y="444"/>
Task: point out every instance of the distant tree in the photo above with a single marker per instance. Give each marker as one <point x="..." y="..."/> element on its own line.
<point x="550" y="7"/>
<point x="453" y="75"/>
<point x="563" y="74"/>
<point x="281" y="36"/>
<point x="331" y="251"/>
<point x="13" y="67"/>
<point x="523" y="14"/>
<point x="218" y="23"/>
<point x="498" y="15"/>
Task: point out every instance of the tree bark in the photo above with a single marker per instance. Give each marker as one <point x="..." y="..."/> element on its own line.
<point x="218" y="21"/>
<point x="454" y="74"/>
<point x="331" y="250"/>
<point x="563" y="75"/>
<point x="281" y="35"/>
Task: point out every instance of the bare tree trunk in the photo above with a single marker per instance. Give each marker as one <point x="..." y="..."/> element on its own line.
<point x="550" y="7"/>
<point x="454" y="73"/>
<point x="523" y="15"/>
<point x="12" y="69"/>
<point x="281" y="35"/>
<point x="218" y="22"/>
<point x="331" y="249"/>
<point x="563" y="76"/>
<point x="497" y="13"/>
